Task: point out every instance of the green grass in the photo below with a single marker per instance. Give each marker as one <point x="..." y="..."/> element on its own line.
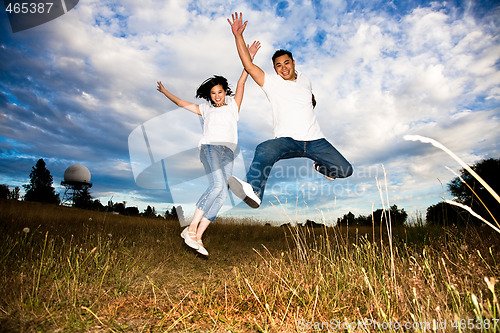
<point x="83" y="271"/>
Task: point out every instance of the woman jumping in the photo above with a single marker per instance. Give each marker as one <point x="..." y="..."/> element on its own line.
<point x="220" y="139"/>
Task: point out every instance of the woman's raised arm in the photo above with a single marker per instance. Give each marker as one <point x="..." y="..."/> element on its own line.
<point x="240" y="87"/>
<point x="177" y="101"/>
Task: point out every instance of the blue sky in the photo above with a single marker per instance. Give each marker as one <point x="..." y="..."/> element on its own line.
<point x="74" y="89"/>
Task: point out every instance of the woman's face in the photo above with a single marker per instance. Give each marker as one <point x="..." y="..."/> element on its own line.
<point x="218" y="94"/>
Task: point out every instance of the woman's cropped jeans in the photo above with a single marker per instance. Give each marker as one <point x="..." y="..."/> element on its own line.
<point x="218" y="163"/>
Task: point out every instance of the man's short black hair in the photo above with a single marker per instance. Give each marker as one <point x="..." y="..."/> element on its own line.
<point x="204" y="90"/>
<point x="281" y="52"/>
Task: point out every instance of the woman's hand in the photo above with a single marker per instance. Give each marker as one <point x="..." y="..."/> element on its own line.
<point x="161" y="88"/>
<point x="252" y="49"/>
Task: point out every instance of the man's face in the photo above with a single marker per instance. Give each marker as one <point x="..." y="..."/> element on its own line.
<point x="285" y="67"/>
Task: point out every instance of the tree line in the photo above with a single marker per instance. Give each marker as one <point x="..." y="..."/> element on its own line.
<point x="394" y="214"/>
<point x="40" y="189"/>
<point x="465" y="189"/>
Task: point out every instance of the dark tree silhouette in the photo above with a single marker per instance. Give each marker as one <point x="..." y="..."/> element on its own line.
<point x="4" y="191"/>
<point x="14" y="194"/>
<point x="118" y="207"/>
<point x="488" y="170"/>
<point x="83" y="199"/>
<point x="132" y="211"/>
<point x="398" y="217"/>
<point x="149" y="212"/>
<point x="443" y="213"/>
<point x="40" y="186"/>
<point x="347" y="219"/>
<point x="174" y="213"/>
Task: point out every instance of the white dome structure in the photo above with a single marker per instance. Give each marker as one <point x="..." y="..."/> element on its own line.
<point x="77" y="173"/>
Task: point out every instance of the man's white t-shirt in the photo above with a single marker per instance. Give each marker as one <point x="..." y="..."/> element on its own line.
<point x="291" y="103"/>
<point x="220" y="124"/>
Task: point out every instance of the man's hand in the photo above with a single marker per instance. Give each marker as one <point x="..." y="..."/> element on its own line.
<point x="237" y="26"/>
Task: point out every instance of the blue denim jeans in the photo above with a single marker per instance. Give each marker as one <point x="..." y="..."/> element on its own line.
<point x="331" y="162"/>
<point x="218" y="163"/>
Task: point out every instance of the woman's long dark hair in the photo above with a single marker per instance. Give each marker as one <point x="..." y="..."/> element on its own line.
<point x="204" y="90"/>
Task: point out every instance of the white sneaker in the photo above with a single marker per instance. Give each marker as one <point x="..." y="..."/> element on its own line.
<point x="186" y="234"/>
<point x="244" y="191"/>
<point x="201" y="248"/>
<point x="316" y="167"/>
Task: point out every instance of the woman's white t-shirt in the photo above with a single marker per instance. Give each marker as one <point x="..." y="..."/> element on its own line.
<point x="220" y="124"/>
<point x="291" y="103"/>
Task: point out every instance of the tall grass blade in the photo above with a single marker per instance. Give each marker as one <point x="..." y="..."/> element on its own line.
<point x="456" y="158"/>
<point x="460" y="161"/>
<point x="467" y="208"/>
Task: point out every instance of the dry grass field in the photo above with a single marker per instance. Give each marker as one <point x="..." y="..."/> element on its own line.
<point x="69" y="270"/>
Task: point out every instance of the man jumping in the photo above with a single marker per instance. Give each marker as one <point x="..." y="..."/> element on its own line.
<point x="295" y="128"/>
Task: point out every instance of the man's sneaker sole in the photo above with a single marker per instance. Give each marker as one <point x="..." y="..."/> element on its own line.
<point x="316" y="166"/>
<point x="244" y="191"/>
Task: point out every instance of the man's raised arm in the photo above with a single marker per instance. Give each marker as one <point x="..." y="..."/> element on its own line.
<point x="237" y="26"/>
